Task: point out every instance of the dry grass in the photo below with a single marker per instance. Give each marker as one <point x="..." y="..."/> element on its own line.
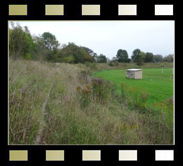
<point x="105" y="66"/>
<point x="65" y="121"/>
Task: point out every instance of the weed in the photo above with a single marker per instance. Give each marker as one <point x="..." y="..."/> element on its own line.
<point x="81" y="109"/>
<point x="103" y="90"/>
<point x="84" y="95"/>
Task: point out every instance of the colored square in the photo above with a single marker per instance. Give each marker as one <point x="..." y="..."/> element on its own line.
<point x="91" y="155"/>
<point x="163" y="9"/>
<point x="127" y="9"/>
<point x="127" y="155"/>
<point x="54" y="155"/>
<point x="164" y="155"/>
<point x="18" y="155"/>
<point x="54" y="10"/>
<point x="90" y="9"/>
<point x="18" y="10"/>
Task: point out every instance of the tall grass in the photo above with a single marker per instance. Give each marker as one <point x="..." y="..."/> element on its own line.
<point x="121" y="65"/>
<point x="80" y="109"/>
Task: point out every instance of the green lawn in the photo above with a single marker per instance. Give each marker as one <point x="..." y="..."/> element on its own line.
<point x="158" y="85"/>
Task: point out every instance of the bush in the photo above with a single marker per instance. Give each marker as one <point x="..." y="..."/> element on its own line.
<point x="110" y="63"/>
<point x="103" y="89"/>
<point x="28" y="56"/>
<point x="69" y="59"/>
<point x="98" y="90"/>
<point x="116" y="63"/>
<point x="91" y="66"/>
<point x="84" y="75"/>
<point x="84" y="95"/>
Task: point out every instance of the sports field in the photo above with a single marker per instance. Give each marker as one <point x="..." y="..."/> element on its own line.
<point x="157" y="83"/>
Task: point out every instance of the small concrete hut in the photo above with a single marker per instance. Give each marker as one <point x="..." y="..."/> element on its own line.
<point x="134" y="73"/>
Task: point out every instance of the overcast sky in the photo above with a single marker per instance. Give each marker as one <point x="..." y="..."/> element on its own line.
<point x="106" y="37"/>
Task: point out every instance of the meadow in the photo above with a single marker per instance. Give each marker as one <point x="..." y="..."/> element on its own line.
<point x="60" y="103"/>
<point x="157" y="83"/>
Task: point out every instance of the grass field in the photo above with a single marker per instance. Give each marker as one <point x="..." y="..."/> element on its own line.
<point x="159" y="85"/>
<point x="53" y="103"/>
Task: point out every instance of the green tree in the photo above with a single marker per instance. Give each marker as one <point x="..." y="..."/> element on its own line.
<point x="50" y="41"/>
<point x="122" y="55"/>
<point x="158" y="58"/>
<point x="88" y="58"/>
<point x="102" y="59"/>
<point x="143" y="55"/>
<point x="149" y="57"/>
<point x="51" y="44"/>
<point x="79" y="55"/>
<point x="30" y="46"/>
<point x="41" y="52"/>
<point x="129" y="60"/>
<point x="17" y="41"/>
<point x="168" y="58"/>
<point x="90" y="52"/>
<point x="20" y="42"/>
<point x="137" y="57"/>
<point x="69" y="59"/>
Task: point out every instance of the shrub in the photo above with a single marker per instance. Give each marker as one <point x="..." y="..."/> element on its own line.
<point x="142" y="100"/>
<point x="91" y="66"/>
<point x="98" y="90"/>
<point x="83" y="75"/>
<point x="28" y="56"/>
<point x="103" y="89"/>
<point x="84" y="95"/>
<point x="116" y="63"/>
<point x="110" y="63"/>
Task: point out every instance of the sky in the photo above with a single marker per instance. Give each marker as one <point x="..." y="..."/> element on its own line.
<point x="107" y="37"/>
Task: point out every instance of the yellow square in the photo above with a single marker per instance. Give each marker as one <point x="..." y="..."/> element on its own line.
<point x="54" y="10"/>
<point x="90" y="9"/>
<point x="18" y="155"/>
<point x="17" y="9"/>
<point x="54" y="155"/>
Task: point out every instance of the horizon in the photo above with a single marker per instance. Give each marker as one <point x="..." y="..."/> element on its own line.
<point x="107" y="37"/>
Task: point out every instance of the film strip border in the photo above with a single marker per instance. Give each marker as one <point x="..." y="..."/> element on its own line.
<point x="91" y="10"/>
<point x="90" y="155"/>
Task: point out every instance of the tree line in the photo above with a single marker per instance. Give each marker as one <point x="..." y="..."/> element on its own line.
<point x="139" y="56"/>
<point x="46" y="47"/>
